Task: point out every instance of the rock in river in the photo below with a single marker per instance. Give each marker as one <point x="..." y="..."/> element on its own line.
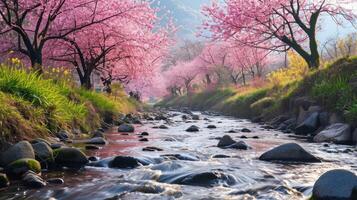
<point x="204" y="179"/>
<point x="32" y="180"/>
<point x="245" y="130"/>
<point x="239" y="145"/>
<point x="211" y="126"/>
<point x="226" y="141"/>
<point x="193" y="128"/>
<point x="290" y="152"/>
<point x="337" y="133"/>
<point x="96" y="140"/>
<point x="18" y="151"/>
<point x="125" y="162"/>
<point x="126" y="128"/>
<point x="335" y="184"/>
<point x="70" y="157"/>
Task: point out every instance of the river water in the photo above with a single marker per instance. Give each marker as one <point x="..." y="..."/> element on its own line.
<point x="249" y="178"/>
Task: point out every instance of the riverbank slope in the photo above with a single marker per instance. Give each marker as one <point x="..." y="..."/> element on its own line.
<point x="35" y="106"/>
<point x="331" y="92"/>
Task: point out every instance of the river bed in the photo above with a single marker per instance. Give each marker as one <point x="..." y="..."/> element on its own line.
<point x="249" y="178"/>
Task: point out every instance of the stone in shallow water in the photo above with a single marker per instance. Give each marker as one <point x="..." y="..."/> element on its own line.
<point x="211" y="127"/>
<point x="203" y="179"/>
<point x="335" y="184"/>
<point x="181" y="157"/>
<point x="239" y="145"/>
<point x="124" y="162"/>
<point x="220" y="156"/>
<point x="226" y="141"/>
<point x="152" y="149"/>
<point x="290" y="152"/>
<point x="193" y="128"/>
<point x="126" y="128"/>
<point x="245" y="130"/>
<point x="143" y="140"/>
<point x="56" y="181"/>
<point x="33" y="180"/>
<point x="163" y="127"/>
<point x="144" y="134"/>
<point x="127" y="162"/>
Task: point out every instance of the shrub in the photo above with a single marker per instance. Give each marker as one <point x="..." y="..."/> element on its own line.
<point x="296" y="70"/>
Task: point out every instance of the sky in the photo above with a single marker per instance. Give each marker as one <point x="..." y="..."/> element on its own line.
<point x="187" y="16"/>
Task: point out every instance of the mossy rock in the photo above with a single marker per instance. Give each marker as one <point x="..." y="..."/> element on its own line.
<point x="4" y="181"/>
<point x="21" y="166"/>
<point x="70" y="157"/>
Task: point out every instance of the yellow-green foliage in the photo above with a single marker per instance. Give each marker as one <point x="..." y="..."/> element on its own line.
<point x="296" y="71"/>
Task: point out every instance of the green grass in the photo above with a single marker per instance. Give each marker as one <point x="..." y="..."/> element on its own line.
<point x="32" y="106"/>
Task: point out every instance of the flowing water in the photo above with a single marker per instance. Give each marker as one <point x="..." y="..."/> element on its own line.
<point x="242" y="175"/>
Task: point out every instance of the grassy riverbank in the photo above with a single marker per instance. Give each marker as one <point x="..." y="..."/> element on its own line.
<point x="334" y="87"/>
<point x="34" y="106"/>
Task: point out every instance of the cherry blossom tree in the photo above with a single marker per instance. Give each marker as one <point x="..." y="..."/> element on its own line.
<point x="36" y="23"/>
<point x="245" y="60"/>
<point x="182" y="75"/>
<point x="277" y="25"/>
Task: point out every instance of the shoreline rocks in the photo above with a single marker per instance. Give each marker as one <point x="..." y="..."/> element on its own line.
<point x="126" y="128"/>
<point x="338" y="133"/>
<point x="19" y="167"/>
<point x="18" y="151"/>
<point x="70" y="157"/>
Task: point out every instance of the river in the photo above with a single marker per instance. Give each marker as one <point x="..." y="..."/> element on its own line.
<point x="248" y="177"/>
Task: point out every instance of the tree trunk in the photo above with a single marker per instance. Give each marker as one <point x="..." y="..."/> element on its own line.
<point x="86" y="81"/>
<point x="36" y="62"/>
<point x="208" y="79"/>
<point x="314" y="61"/>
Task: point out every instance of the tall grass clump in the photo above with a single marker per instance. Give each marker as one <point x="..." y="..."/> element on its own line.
<point x="41" y="93"/>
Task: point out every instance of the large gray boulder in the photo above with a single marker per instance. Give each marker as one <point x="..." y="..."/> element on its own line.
<point x="335" y="184"/>
<point x="337" y="133"/>
<point x="290" y="152"/>
<point x="18" y="151"/>
<point x="309" y="125"/>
